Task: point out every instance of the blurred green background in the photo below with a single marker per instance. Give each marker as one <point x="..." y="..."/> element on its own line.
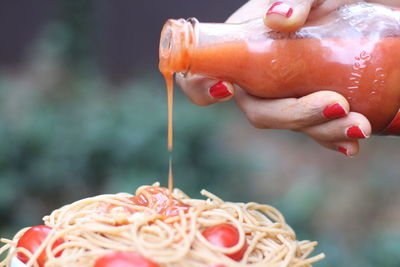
<point x="83" y="112"/>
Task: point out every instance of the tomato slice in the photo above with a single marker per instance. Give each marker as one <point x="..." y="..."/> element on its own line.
<point x="225" y="235"/>
<point x="124" y="259"/>
<point x="32" y="239"/>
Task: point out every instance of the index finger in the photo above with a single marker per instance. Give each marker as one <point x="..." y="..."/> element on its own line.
<point x="292" y="113"/>
<point x="204" y="91"/>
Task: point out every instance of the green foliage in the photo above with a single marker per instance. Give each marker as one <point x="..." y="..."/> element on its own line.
<point x="383" y="248"/>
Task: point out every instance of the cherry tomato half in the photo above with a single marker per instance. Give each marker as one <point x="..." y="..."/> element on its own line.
<point x="124" y="259"/>
<point x="32" y="239"/>
<point x="225" y="235"/>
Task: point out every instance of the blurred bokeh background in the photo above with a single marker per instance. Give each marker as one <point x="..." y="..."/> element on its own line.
<point x="83" y="112"/>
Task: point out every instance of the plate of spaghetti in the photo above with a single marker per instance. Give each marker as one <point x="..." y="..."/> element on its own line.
<point x="156" y="228"/>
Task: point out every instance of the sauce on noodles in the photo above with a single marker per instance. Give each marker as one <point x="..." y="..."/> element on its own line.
<point x="160" y="200"/>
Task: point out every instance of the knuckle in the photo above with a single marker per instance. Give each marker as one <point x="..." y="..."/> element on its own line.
<point x="253" y="116"/>
<point x="356" y="118"/>
<point x="258" y="125"/>
<point x="301" y="119"/>
<point x="255" y="122"/>
<point x="198" y="101"/>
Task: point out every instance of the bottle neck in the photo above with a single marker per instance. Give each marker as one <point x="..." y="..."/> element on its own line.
<point x="176" y="44"/>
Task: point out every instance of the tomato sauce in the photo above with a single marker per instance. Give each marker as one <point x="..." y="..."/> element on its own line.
<point x="168" y="76"/>
<point x="160" y="200"/>
<point x="170" y="95"/>
<point x="155" y="198"/>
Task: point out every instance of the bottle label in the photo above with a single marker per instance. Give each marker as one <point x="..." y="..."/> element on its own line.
<point x="394" y="126"/>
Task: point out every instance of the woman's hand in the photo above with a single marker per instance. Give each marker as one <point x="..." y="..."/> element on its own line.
<point x="323" y="115"/>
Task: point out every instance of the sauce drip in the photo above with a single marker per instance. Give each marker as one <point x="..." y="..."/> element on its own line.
<point x="168" y="76"/>
<point x="170" y="176"/>
<point x="170" y="94"/>
<point x="157" y="198"/>
<point x="172" y="59"/>
<point x="160" y="200"/>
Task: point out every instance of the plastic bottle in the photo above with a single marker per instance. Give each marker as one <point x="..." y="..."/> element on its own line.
<point x="354" y="51"/>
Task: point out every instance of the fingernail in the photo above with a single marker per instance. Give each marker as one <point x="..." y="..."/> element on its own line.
<point x="280" y="8"/>
<point x="334" y="111"/>
<point x="220" y="90"/>
<point x="355" y="132"/>
<point x="344" y="150"/>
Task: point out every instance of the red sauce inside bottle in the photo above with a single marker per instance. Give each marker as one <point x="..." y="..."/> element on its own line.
<point x="365" y="71"/>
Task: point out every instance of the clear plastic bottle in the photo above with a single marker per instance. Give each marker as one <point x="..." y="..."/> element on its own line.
<point x="354" y="51"/>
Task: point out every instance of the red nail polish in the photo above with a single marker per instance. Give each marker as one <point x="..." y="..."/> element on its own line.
<point x="219" y="90"/>
<point x="355" y="132"/>
<point x="280" y="8"/>
<point x="344" y="150"/>
<point x="334" y="111"/>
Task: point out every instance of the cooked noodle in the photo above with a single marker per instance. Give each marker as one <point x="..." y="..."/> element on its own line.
<point x="91" y="229"/>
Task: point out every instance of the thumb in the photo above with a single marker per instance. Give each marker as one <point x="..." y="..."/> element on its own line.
<point x="288" y="15"/>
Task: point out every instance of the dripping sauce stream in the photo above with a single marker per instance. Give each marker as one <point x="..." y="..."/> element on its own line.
<point x="170" y="86"/>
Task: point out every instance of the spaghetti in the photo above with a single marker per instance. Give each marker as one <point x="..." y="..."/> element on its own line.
<point x="169" y="230"/>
